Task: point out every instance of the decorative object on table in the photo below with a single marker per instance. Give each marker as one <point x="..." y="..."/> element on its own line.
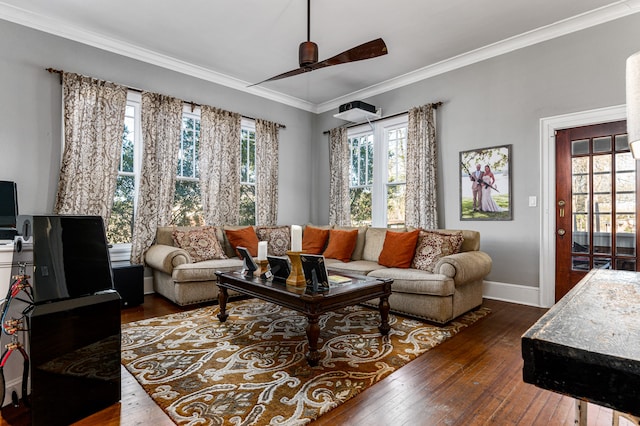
<point x="315" y="272"/>
<point x="263" y="263"/>
<point x="249" y="265"/>
<point x="633" y="103"/>
<point x="485" y="184"/>
<point x="296" y="276"/>
<point x="279" y="267"/>
<point x="232" y="365"/>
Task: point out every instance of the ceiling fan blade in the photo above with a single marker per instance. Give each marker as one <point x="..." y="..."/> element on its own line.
<point x="291" y="73"/>
<point x="371" y="49"/>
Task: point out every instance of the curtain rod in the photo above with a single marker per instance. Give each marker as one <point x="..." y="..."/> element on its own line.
<point x="434" y="104"/>
<point x="135" y="89"/>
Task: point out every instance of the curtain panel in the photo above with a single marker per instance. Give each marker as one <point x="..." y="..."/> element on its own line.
<point x="220" y="165"/>
<point x="422" y="178"/>
<point x="339" y="199"/>
<point x="161" y="132"/>
<point x="267" y="142"/>
<point x="93" y="126"/>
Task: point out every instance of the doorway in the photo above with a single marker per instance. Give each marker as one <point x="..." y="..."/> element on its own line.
<point x="596" y="203"/>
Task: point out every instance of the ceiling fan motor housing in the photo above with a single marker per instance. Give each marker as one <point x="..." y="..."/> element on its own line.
<point x="308" y="53"/>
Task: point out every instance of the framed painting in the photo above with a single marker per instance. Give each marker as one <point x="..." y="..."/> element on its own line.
<point x="485" y="184"/>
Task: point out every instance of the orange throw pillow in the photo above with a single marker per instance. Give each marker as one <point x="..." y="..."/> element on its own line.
<point x="245" y="237"/>
<point x="398" y="249"/>
<point x="341" y="244"/>
<point x="314" y="239"/>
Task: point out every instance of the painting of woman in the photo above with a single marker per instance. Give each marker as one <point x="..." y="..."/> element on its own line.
<point x="488" y="203"/>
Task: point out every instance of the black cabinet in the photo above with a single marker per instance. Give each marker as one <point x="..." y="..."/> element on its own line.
<point x="128" y="281"/>
<point x="75" y="358"/>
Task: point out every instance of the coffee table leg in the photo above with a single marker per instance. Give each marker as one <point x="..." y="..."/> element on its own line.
<point x="222" y="303"/>
<point x="384" y="315"/>
<point x="313" y="334"/>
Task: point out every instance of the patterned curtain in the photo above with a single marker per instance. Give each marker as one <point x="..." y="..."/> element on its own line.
<point x="421" y="199"/>
<point x="93" y="127"/>
<point x="266" y="173"/>
<point x="339" y="200"/>
<point x="220" y="165"/>
<point x="161" y="132"/>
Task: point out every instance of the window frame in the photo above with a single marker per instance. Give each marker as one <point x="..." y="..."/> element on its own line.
<point x="122" y="251"/>
<point x="250" y="126"/>
<point x="380" y="130"/>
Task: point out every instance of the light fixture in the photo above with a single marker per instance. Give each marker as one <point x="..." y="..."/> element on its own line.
<point x="633" y="104"/>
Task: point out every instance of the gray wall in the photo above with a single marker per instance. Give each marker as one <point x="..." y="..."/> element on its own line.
<point x="30" y="114"/>
<point x="495" y="102"/>
<point x="501" y="101"/>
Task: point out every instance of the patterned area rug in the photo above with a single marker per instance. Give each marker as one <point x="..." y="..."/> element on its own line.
<point x="251" y="370"/>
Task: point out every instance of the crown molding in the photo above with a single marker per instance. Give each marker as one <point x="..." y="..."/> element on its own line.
<point x="65" y="30"/>
<point x="567" y="26"/>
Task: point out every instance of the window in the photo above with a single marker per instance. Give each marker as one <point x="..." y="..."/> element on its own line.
<point x="378" y="173"/>
<point x="248" y="173"/>
<point x="361" y="177"/>
<point x="120" y="227"/>
<point x="187" y="206"/>
<point x="187" y="202"/>
<point x="396" y="175"/>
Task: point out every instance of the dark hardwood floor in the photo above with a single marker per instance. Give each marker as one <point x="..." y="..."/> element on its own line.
<point x="475" y="378"/>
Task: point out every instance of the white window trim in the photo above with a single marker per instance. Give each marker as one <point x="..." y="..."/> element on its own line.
<point x="122" y="252"/>
<point x="380" y="131"/>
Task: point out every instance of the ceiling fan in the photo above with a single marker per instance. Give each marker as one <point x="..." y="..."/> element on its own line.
<point x="308" y="54"/>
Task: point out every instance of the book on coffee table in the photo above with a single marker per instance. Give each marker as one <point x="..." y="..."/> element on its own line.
<point x="338" y="279"/>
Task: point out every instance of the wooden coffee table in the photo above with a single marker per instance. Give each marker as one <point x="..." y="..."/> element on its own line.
<point x="360" y="289"/>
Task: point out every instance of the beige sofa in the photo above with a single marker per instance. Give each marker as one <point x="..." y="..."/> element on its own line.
<point x="453" y="288"/>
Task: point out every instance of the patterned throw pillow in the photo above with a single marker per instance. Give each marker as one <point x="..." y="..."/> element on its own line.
<point x="432" y="246"/>
<point x="278" y="239"/>
<point x="201" y="244"/>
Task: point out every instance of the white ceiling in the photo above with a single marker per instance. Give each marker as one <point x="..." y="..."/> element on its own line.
<point x="241" y="42"/>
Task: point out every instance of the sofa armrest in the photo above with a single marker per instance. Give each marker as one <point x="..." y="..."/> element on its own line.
<point x="164" y="258"/>
<point x="464" y="267"/>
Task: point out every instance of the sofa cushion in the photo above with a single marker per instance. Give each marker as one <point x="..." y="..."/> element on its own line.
<point x="357" y="250"/>
<point x="398" y="249"/>
<point x="243" y="237"/>
<point x="201" y="243"/>
<point x="278" y="239"/>
<point x="341" y="244"/>
<point x="374" y="242"/>
<point x="358" y="267"/>
<point x="415" y="281"/>
<point x="205" y="270"/>
<point x="432" y="246"/>
<point x="314" y="239"/>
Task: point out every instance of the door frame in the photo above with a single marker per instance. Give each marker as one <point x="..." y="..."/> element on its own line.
<point x="548" y="127"/>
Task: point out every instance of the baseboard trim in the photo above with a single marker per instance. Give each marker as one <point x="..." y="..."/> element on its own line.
<point x="148" y="285"/>
<point x="521" y="294"/>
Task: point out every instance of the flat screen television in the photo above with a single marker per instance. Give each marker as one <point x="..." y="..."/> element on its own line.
<point x="70" y="256"/>
<point x="8" y="204"/>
